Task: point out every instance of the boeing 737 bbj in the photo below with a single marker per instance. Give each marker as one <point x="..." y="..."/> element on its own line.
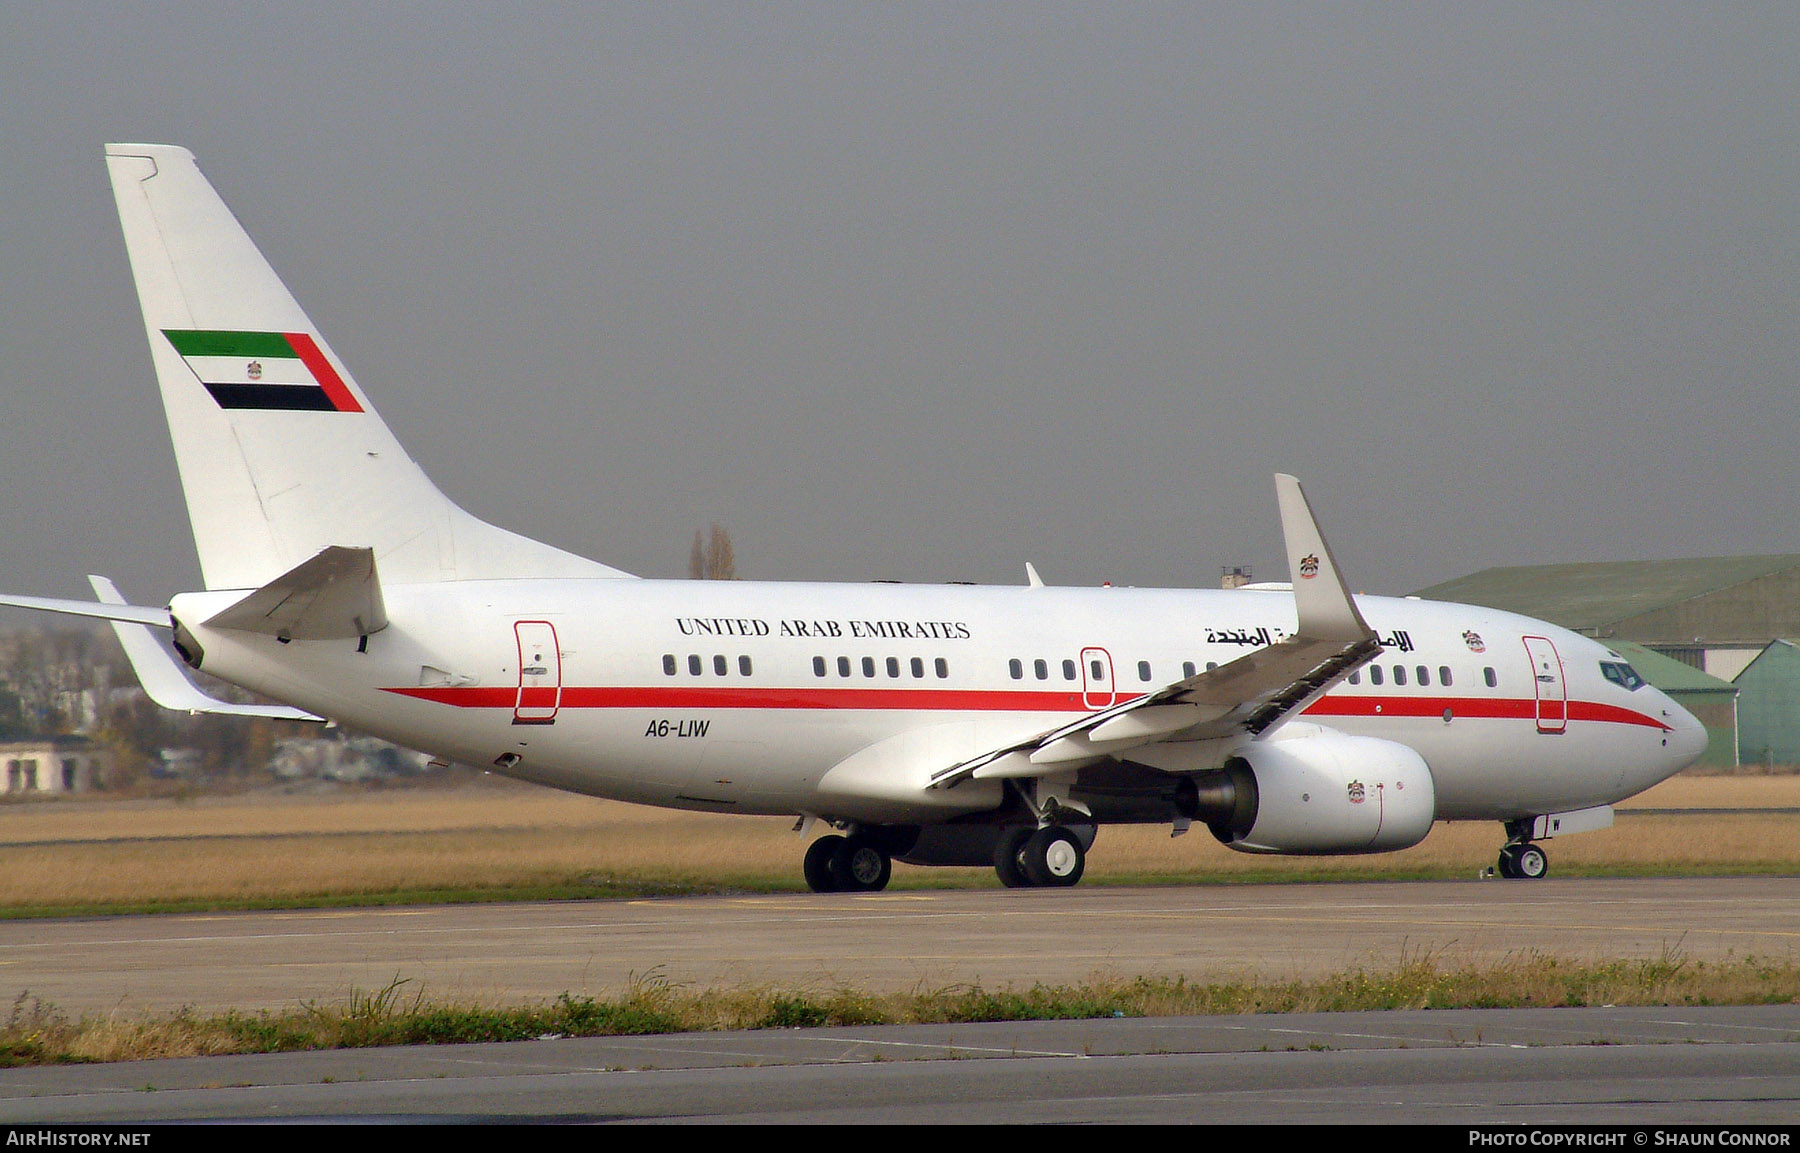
<point x="933" y="725"/>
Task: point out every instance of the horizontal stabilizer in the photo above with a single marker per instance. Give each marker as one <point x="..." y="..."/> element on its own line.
<point x="106" y="612"/>
<point x="333" y="596"/>
<point x="162" y="678"/>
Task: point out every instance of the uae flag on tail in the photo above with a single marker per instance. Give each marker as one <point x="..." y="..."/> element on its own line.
<point x="276" y="370"/>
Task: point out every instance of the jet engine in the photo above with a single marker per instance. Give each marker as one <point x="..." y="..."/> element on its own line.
<point x="1325" y="792"/>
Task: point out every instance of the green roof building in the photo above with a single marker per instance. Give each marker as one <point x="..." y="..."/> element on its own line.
<point x="1693" y="628"/>
<point x="1769" y="706"/>
<point x="1715" y="613"/>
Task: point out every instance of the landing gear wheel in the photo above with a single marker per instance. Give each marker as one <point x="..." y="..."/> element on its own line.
<point x="1054" y="857"/>
<point x="1007" y="862"/>
<point x="1523" y="861"/>
<point x="817" y="865"/>
<point x="860" y="866"/>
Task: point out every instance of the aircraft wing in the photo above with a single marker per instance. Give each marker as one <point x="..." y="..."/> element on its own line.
<point x="1249" y="695"/>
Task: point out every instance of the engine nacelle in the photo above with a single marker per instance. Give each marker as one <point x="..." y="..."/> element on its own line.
<point x="1325" y="792"/>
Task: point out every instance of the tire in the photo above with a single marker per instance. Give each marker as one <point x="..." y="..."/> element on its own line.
<point x="817" y="865"/>
<point x="1508" y="866"/>
<point x="1007" y="861"/>
<point x="1054" y="858"/>
<point x="860" y="866"/>
<point x="1530" y="862"/>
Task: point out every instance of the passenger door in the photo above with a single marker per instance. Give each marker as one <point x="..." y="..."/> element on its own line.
<point x="540" y="674"/>
<point x="1097" y="688"/>
<point x="1547" y="680"/>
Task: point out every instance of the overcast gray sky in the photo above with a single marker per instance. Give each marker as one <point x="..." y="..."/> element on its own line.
<point x="927" y="291"/>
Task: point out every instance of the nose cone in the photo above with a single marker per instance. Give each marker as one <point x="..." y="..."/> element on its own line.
<point x="1686" y="738"/>
<point x="1682" y="743"/>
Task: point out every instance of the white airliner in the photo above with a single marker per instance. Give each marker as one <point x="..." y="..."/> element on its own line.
<point x="934" y="725"/>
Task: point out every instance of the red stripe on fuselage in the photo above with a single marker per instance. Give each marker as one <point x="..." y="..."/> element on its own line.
<point x="1490" y="708"/>
<point x="310" y="355"/>
<point x="744" y="697"/>
<point x="995" y="701"/>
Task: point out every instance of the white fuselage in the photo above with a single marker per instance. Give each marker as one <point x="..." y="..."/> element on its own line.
<point x="743" y="696"/>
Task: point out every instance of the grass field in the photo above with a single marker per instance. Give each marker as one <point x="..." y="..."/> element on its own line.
<point x="496" y="839"/>
<point x="492" y="839"/>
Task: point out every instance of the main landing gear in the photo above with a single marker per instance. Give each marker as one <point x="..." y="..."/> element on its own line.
<point x="853" y="864"/>
<point x="1050" y="857"/>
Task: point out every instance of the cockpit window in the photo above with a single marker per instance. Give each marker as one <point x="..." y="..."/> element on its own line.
<point x="1621" y="674"/>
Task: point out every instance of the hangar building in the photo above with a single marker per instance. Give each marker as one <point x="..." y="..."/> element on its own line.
<point x="1721" y="616"/>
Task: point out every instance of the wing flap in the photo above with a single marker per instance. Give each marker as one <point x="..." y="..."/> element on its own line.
<point x="1246" y="696"/>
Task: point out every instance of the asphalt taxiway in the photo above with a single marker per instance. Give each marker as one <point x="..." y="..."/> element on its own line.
<point x="901" y="940"/>
<point x="1602" y="1066"/>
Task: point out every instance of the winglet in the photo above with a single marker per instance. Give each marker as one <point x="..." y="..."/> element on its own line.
<point x="1032" y="579"/>
<point x="1320" y="596"/>
<point x="162" y="678"/>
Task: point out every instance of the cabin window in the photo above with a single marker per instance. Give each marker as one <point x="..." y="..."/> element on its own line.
<point x="744" y="666"/>
<point x="818" y="666"/>
<point x="1424" y="676"/>
<point x="1016" y="669"/>
<point x="893" y="666"/>
<point x="1356" y="677"/>
<point x="694" y="666"/>
<point x="1068" y="670"/>
<point x="1487" y="675"/>
<point x="1211" y="665"/>
<point x="918" y="667"/>
<point x="1374" y="674"/>
<point x="669" y="665"/>
<point x="868" y="666"/>
<point x="1187" y="668"/>
<point x="1143" y="670"/>
<point x="843" y="666"/>
<point x="1041" y="669"/>
<point x="1444" y="676"/>
<point x="943" y="668"/>
<point x="1099" y="671"/>
<point x="720" y="666"/>
<point x="1399" y="674"/>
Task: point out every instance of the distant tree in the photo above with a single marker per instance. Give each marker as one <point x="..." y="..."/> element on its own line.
<point x="721" y="565"/>
<point x="711" y="557"/>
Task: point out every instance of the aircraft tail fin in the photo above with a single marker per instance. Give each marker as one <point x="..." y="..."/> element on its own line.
<point x="280" y="452"/>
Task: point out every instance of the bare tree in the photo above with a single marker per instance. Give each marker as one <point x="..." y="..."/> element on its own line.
<point x="711" y="557"/>
<point x="721" y="565"/>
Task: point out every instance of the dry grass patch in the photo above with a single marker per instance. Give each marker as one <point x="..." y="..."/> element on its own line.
<point x="500" y="838"/>
<point x="37" y="1034"/>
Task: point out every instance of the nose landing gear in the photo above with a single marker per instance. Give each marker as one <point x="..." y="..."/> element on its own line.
<point x="1524" y="861"/>
<point x="1521" y="859"/>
